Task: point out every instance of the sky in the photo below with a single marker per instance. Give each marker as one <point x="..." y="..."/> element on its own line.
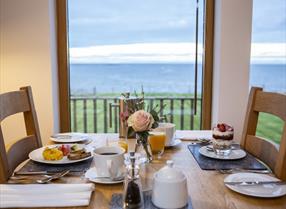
<point x="123" y="31"/>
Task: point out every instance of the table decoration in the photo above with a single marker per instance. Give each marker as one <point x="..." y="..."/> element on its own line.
<point x="206" y="163"/>
<point x="139" y="121"/>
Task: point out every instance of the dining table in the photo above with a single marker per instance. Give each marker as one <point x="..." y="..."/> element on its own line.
<point x="206" y="188"/>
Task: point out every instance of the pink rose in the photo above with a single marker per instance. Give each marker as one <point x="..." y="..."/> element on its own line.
<point x="140" y="121"/>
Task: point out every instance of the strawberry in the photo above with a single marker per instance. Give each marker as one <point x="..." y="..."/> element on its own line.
<point x="221" y="127"/>
<point x="228" y="127"/>
<point x="65" y="149"/>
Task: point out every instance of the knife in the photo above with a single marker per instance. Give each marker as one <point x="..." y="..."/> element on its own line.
<point x="31" y="173"/>
<point x="252" y="183"/>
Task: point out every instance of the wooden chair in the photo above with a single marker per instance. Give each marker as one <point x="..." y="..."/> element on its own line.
<point x="268" y="152"/>
<point x="10" y="104"/>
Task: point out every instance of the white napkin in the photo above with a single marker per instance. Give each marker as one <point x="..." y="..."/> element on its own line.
<point x="193" y="135"/>
<point x="47" y="195"/>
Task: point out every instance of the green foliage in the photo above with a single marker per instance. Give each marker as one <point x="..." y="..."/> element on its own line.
<point x="270" y="127"/>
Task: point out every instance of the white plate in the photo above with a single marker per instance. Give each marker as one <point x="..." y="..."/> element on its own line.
<point x="234" y="155"/>
<point x="266" y="191"/>
<point x="91" y="175"/>
<point x="174" y="143"/>
<point x="37" y="155"/>
<point x="69" y="137"/>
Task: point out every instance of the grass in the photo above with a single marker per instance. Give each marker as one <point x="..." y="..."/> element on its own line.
<point x="269" y="126"/>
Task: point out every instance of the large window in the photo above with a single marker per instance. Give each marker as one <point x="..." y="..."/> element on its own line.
<point x="268" y="58"/>
<point x="125" y="46"/>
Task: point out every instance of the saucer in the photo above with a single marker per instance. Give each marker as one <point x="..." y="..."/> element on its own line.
<point x="234" y="154"/>
<point x="265" y="191"/>
<point x="91" y="175"/>
<point x="175" y="142"/>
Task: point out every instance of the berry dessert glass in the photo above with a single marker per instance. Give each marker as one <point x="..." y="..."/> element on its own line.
<point x="222" y="139"/>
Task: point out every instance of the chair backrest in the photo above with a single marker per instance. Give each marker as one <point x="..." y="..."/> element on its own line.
<point x="10" y="104"/>
<point x="270" y="153"/>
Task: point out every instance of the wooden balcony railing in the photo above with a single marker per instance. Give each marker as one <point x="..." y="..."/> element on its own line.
<point x="92" y="114"/>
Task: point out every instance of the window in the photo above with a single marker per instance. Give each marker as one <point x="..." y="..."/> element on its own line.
<point x="116" y="47"/>
<point x="268" y="58"/>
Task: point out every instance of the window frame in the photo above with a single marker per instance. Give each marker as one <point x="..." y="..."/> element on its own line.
<point x="63" y="65"/>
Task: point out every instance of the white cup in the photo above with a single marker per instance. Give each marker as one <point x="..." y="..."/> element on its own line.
<point x="169" y="129"/>
<point x="109" y="161"/>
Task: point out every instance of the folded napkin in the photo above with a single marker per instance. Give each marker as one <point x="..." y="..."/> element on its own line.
<point x="193" y="135"/>
<point x="45" y="195"/>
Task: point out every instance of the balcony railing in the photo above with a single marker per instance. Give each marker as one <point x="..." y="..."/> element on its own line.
<point x="92" y="114"/>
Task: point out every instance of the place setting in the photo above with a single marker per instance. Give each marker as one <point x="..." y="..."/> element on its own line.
<point x="220" y="152"/>
<point x="246" y="174"/>
<point x="54" y="161"/>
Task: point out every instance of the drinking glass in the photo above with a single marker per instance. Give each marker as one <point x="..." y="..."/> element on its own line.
<point x="157" y="143"/>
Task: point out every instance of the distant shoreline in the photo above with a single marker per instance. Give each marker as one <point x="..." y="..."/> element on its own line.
<point x="159" y="78"/>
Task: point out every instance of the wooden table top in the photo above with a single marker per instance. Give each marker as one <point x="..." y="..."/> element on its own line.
<point x="206" y="188"/>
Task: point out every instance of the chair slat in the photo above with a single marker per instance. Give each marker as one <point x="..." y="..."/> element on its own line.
<point x="272" y="103"/>
<point x="263" y="149"/>
<point x="16" y="156"/>
<point x="12" y="103"/>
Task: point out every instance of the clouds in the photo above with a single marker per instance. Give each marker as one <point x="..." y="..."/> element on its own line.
<point x="182" y="52"/>
<point x="135" y="53"/>
<point x="268" y="53"/>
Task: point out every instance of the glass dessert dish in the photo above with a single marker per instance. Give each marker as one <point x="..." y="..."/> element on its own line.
<point x="222" y="139"/>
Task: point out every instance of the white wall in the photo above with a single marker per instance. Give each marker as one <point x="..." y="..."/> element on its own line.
<point x="232" y="44"/>
<point x="28" y="57"/>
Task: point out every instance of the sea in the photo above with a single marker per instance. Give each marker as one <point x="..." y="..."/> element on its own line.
<point x="160" y="78"/>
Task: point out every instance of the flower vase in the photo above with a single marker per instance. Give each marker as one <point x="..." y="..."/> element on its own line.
<point x="142" y="143"/>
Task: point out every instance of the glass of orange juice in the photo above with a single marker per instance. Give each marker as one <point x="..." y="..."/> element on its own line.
<point x="123" y="144"/>
<point x="157" y="143"/>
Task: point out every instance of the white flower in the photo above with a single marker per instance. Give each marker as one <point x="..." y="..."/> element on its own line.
<point x="140" y="121"/>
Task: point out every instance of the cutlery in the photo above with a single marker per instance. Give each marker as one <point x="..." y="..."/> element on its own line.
<point x="236" y="170"/>
<point x="211" y="149"/>
<point x="53" y="177"/>
<point x="198" y="140"/>
<point x="31" y="173"/>
<point x="253" y="183"/>
<point x="26" y="177"/>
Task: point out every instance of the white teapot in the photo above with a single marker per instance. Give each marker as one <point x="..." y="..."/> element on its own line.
<point x="169" y="188"/>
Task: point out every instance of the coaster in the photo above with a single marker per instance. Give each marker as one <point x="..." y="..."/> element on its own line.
<point x="206" y="163"/>
<point x="116" y="202"/>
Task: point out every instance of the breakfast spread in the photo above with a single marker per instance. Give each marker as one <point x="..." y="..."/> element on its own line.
<point x="71" y="152"/>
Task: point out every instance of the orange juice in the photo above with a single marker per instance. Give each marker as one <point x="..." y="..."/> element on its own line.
<point x="157" y="142"/>
<point x="123" y="144"/>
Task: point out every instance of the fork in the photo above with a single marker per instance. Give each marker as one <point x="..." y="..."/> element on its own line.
<point x="53" y="177"/>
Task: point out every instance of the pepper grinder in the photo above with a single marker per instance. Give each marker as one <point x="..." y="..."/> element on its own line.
<point x="133" y="195"/>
